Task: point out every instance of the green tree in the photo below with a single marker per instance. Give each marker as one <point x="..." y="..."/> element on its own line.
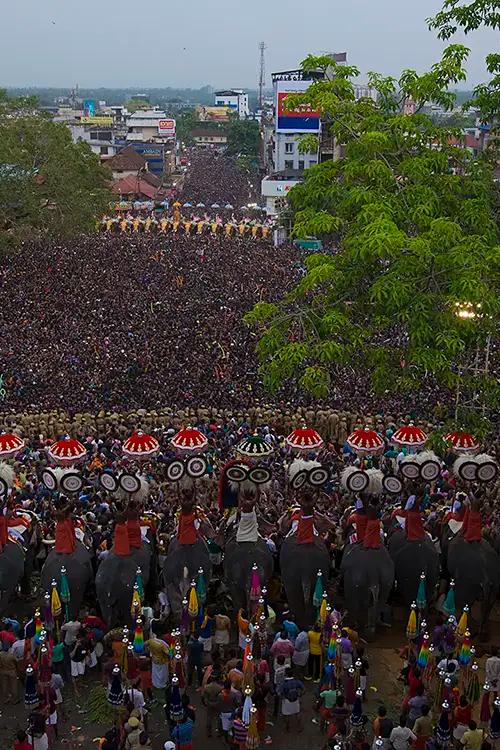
<point x="48" y="184"/>
<point x="243" y="138"/>
<point x="410" y="220"/>
<point x="185" y="122"/>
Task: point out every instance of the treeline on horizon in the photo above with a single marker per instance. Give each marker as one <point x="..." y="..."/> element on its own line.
<point x="157" y="96"/>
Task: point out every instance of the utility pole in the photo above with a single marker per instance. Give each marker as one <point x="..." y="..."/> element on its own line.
<point x="262" y="74"/>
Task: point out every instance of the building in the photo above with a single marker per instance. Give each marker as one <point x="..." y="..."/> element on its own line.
<point x="213" y="114"/>
<point x="100" y="138"/>
<point x="126" y="163"/>
<point x="143" y="125"/>
<point x="235" y="99"/>
<point x="275" y="189"/>
<point x="206" y="138"/>
<point x="289" y="126"/>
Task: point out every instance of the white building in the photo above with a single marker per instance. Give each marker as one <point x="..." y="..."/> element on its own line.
<point x="142" y="125"/>
<point x="101" y="138"/>
<point x="275" y="189"/>
<point x="236" y="99"/>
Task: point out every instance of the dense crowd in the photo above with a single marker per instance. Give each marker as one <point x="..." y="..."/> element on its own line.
<point x="213" y="669"/>
<point x="214" y="178"/>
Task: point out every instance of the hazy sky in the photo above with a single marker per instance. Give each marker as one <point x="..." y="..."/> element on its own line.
<point x="195" y="42"/>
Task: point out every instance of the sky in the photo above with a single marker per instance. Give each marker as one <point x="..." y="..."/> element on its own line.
<point x="190" y="44"/>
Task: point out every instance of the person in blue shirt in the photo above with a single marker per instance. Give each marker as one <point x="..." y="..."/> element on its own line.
<point x="291" y="628"/>
<point x="182" y="734"/>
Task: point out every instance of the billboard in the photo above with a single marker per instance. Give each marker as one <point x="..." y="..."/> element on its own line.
<point x="89" y="107"/>
<point x="96" y="120"/>
<point x="303" y="120"/>
<point x="166" y="127"/>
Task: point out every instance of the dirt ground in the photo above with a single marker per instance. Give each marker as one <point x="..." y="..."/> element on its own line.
<point x="382" y="687"/>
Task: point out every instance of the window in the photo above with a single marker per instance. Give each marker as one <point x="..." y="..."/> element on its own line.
<point x="288" y="163"/>
<point x="312" y="162"/>
<point x="301" y="163"/>
<point x="288" y="148"/>
<point x="94" y="136"/>
<point x="104" y="150"/>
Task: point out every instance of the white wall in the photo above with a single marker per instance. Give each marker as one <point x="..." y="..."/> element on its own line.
<point x="286" y="153"/>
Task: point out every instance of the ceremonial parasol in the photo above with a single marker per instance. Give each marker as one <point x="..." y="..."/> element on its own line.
<point x="10" y="444"/>
<point x="462" y="442"/>
<point x="304" y="439"/>
<point x="189" y="439"/>
<point x="365" y="441"/>
<point x="67" y="451"/>
<point x="410" y="435"/>
<point x="140" y="445"/>
<point x="254" y="446"/>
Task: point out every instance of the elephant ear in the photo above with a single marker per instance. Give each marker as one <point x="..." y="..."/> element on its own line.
<point x="465" y="468"/>
<point x="354" y="480"/>
<point x="7" y="474"/>
<point x="487" y="468"/>
<point x="429" y="466"/>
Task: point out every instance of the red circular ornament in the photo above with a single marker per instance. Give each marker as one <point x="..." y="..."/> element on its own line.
<point x="410" y="435"/>
<point x="304" y="439"/>
<point x="67" y="451"/>
<point x="140" y="445"/>
<point x="189" y="439"/>
<point x="365" y="441"/>
<point x="462" y="442"/>
<point x="10" y="444"/>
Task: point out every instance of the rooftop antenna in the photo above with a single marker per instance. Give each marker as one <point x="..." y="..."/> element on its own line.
<point x="262" y="74"/>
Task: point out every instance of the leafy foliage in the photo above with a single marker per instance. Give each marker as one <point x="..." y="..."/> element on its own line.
<point x="410" y="218"/>
<point x="243" y="139"/>
<point x="48" y="184"/>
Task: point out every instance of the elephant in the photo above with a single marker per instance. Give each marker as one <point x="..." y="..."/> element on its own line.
<point x="132" y="551"/>
<point x="243" y="547"/>
<point x="79" y="574"/>
<point x="367" y="571"/>
<point x="411" y="558"/>
<point x="303" y="554"/>
<point x="187" y="552"/>
<point x="18" y="555"/>
<point x="475" y="568"/>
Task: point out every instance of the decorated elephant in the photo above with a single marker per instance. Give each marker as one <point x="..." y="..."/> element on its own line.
<point x="19" y="540"/>
<point x="368" y="575"/>
<point x="129" y="562"/>
<point x="187" y="552"/>
<point x="71" y="556"/>
<point x="304" y="554"/>
<point x="412" y="551"/>
<point x="245" y="548"/>
<point x="474" y="565"/>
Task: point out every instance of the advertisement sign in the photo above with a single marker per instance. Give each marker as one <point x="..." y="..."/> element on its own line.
<point x="89" y="107"/>
<point x="96" y="120"/>
<point x="166" y="127"/>
<point x="302" y="120"/>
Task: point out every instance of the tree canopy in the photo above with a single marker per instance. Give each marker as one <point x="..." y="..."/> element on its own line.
<point x="409" y="217"/>
<point x="48" y="184"/>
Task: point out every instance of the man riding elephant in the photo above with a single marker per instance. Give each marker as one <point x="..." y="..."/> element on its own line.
<point x="304" y="554"/>
<point x="187" y="552"/>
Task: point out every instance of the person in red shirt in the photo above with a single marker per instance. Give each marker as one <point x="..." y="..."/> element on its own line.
<point x="7" y="637"/>
<point x="21" y="741"/>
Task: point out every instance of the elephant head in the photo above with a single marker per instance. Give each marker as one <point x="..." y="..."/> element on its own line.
<point x="187" y="553"/>
<point x="303" y="554"/>
<point x="117" y="574"/>
<point x="368" y="575"/>
<point x="17" y="551"/>
<point x="475" y="567"/>
<point x="411" y="558"/>
<point x="79" y="574"/>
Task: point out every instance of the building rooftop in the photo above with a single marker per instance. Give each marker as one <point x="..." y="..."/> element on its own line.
<point x="135" y="185"/>
<point x="286" y="174"/>
<point x="127" y="160"/>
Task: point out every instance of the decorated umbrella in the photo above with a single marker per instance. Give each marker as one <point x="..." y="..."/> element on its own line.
<point x="189" y="440"/>
<point x="254" y="446"/>
<point x="449" y="605"/>
<point x="318" y="590"/>
<point x="200" y="205"/>
<point x="10" y="444"/>
<point x="135" y="607"/>
<point x="304" y="439"/>
<point x="409" y="435"/>
<point x="140" y="445"/>
<point x="55" y="601"/>
<point x="365" y="441"/>
<point x="115" y="693"/>
<point x="176" y="708"/>
<point x="31" y="698"/>
<point x="138" y="643"/>
<point x="67" y="451"/>
<point x="462" y="442"/>
<point x="201" y="586"/>
<point x="193" y="604"/>
<point x="411" y="627"/>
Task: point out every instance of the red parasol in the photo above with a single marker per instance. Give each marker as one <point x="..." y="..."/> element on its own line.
<point x="304" y="439"/>
<point x="365" y="441"/>
<point x="10" y="444"/>
<point x="67" y="451"/>
<point x="410" y="435"/>
<point x="462" y="442"/>
<point x="140" y="445"/>
<point x="189" y="439"/>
